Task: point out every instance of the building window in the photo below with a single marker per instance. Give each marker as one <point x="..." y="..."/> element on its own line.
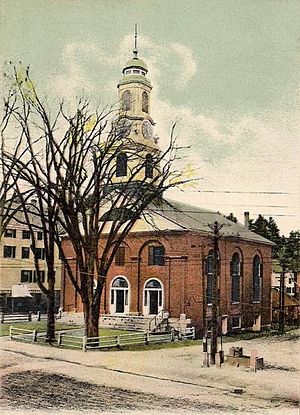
<point x="40" y="253"/>
<point x="25" y="252"/>
<point x="235" y="272"/>
<point x="236" y="322"/>
<point x="128" y="72"/>
<point x="136" y="71"/>
<point x="149" y="166"/>
<point x="26" y="275"/>
<point x="26" y="234"/>
<point x="121" y="169"/>
<point x="126" y="100"/>
<point x="120" y="256"/>
<point x="42" y="276"/>
<point x="10" y="233"/>
<point x="257" y="278"/>
<point x="145" y="102"/>
<point x="156" y="255"/>
<point x="40" y="236"/>
<point x="9" y="251"/>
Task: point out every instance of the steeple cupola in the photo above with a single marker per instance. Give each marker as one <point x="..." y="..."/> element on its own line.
<point x="135" y="69"/>
<point x="135" y="124"/>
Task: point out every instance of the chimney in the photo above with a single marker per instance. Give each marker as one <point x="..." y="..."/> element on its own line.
<point x="246" y="219"/>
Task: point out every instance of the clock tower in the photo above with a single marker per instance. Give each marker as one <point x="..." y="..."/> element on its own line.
<point x="134" y="122"/>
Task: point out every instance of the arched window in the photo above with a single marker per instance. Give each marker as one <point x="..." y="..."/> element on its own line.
<point x="149" y="166"/>
<point x="120" y="282"/>
<point x="257" y="278"/>
<point x="153" y="284"/>
<point x="126" y="100"/>
<point x="145" y="102"/>
<point x="121" y="169"/>
<point x="235" y="272"/>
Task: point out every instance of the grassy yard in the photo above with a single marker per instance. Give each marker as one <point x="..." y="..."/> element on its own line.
<point x="40" y="326"/>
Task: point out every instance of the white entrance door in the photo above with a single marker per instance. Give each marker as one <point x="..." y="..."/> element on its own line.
<point x="119" y="296"/>
<point x="153" y="297"/>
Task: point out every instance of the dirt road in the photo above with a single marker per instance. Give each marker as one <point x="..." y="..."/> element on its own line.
<point x="40" y="379"/>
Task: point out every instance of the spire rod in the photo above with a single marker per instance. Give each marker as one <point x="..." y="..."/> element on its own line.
<point x="135" y="50"/>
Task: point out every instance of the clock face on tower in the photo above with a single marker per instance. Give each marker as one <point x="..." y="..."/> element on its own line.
<point x="123" y="127"/>
<point x="147" y="129"/>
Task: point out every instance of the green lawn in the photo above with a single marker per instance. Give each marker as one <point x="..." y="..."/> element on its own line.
<point x="40" y="326"/>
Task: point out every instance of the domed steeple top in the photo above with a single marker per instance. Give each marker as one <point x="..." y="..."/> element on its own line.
<point x="135" y="62"/>
<point x="135" y="70"/>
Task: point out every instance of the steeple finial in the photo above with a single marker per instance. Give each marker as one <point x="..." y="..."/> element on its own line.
<point x="135" y="50"/>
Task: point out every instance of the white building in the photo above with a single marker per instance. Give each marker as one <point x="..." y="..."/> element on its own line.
<point x="289" y="282"/>
<point x="18" y="287"/>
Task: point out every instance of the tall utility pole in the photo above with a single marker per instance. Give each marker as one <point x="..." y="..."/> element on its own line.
<point x="215" y="297"/>
<point x="283" y="263"/>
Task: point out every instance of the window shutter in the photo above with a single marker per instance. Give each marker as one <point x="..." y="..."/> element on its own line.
<point x="206" y="265"/>
<point x="150" y="255"/>
<point x="261" y="270"/>
<point x="261" y="281"/>
<point x="161" y="258"/>
<point x="112" y="298"/>
<point x="241" y="267"/>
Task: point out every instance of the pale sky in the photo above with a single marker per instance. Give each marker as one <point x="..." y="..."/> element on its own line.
<point x="227" y="71"/>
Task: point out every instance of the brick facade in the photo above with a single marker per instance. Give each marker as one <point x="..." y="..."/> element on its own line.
<point x="183" y="278"/>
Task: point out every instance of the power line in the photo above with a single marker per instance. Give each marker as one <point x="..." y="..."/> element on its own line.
<point x="243" y="192"/>
<point x="272" y="214"/>
<point x="246" y="205"/>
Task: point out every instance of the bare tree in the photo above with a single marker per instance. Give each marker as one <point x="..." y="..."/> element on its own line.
<point x="69" y="161"/>
<point x="40" y="216"/>
<point x="9" y="203"/>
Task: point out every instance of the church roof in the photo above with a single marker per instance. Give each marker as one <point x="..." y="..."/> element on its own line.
<point x="183" y="216"/>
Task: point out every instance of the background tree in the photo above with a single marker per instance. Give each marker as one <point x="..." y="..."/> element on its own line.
<point x="69" y="161"/>
<point x="293" y="251"/>
<point x="9" y="202"/>
<point x="268" y="229"/>
<point x="231" y="217"/>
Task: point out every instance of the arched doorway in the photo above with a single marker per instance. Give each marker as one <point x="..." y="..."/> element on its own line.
<point x="153" y="297"/>
<point x="119" y="296"/>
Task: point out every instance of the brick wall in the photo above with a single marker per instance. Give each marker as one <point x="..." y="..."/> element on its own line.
<point x="182" y="277"/>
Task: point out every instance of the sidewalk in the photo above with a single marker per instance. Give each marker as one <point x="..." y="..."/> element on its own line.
<point x="171" y="373"/>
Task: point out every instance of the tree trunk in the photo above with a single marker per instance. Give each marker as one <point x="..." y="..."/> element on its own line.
<point x="91" y="319"/>
<point x="50" y="337"/>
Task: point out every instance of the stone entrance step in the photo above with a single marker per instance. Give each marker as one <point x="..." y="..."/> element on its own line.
<point x="134" y="323"/>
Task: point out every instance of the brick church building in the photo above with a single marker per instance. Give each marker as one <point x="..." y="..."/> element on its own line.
<point x="168" y="266"/>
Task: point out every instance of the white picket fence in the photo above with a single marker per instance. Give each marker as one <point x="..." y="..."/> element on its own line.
<point x="16" y="333"/>
<point x="103" y="342"/>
